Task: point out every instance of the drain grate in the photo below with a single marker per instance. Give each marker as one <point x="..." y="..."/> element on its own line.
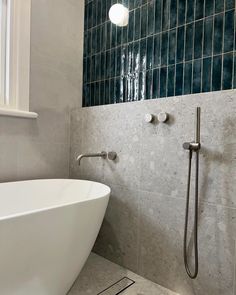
<point x="118" y="287"/>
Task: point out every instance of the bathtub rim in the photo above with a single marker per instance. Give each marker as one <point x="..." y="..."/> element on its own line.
<point x="49" y="208"/>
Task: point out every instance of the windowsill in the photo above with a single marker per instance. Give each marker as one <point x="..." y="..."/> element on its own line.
<point x="18" y="113"/>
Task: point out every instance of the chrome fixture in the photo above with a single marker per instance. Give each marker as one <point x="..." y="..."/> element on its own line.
<point x="163" y="117"/>
<point x="111" y="156"/>
<point x="149" y="118"/>
<point x="192" y="147"/>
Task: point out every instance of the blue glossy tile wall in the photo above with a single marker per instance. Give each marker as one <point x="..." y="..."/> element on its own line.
<point x="170" y="47"/>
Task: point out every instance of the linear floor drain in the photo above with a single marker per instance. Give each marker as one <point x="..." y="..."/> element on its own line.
<point x="118" y="287"/>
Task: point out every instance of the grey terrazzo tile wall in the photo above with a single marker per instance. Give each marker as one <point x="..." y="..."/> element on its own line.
<point x="144" y="223"/>
<point x="170" y="47"/>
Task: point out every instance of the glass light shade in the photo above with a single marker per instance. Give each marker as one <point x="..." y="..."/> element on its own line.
<point x="119" y="15"/>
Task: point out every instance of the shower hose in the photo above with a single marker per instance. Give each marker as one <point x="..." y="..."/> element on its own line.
<point x="193" y="274"/>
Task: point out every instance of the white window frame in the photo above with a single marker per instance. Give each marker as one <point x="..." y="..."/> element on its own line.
<point x="16" y="64"/>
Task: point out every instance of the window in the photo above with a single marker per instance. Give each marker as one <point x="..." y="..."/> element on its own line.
<point x="15" y="58"/>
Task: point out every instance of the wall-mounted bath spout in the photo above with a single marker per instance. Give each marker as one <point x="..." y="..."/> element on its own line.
<point x="192" y="147"/>
<point x="111" y="156"/>
<point x="97" y="155"/>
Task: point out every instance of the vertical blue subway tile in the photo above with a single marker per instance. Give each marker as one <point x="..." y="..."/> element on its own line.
<point x="208" y="36"/>
<point x="118" y="91"/>
<point x="108" y="6"/>
<point x="156" y="78"/>
<point x="234" y="80"/>
<point x="149" y="85"/>
<point x="113" y="35"/>
<point x="171" y="81"/>
<point x="181" y="12"/>
<point x="102" y="92"/>
<point x="99" y="11"/>
<point x="107" y="91"/>
<point x="103" y="37"/>
<point x="92" y="95"/>
<point x="113" y="63"/>
<point x="151" y="17"/>
<point x="142" y="85"/>
<point x="179" y="79"/>
<point x="124" y="35"/>
<point x="150" y="52"/>
<point x="165" y="14"/>
<point x="112" y="91"/>
<point x="229" y="4"/>
<point x="124" y="60"/>
<point x="180" y="44"/>
<point x="118" y="61"/>
<point x="98" y="47"/>
<point x="172" y="46"/>
<point x="190" y="10"/>
<point x="163" y="82"/>
<point x="218" y="34"/>
<point x="104" y="12"/>
<point x="219" y="6"/>
<point x="118" y="36"/>
<point x="188" y="68"/>
<point x="227" y="71"/>
<point x="229" y="31"/>
<point x="131" y="27"/>
<point x="97" y="94"/>
<point x="189" y="42"/>
<point x="94" y="40"/>
<point x="144" y="21"/>
<point x="89" y="44"/>
<point x="164" y="48"/>
<point x="209" y="7"/>
<point x="136" y="60"/>
<point x="98" y="67"/>
<point x="173" y="14"/>
<point x="130" y="58"/>
<point x="90" y="15"/>
<point x="131" y="63"/>
<point x="93" y="67"/>
<point x="94" y="19"/>
<point x="125" y="87"/>
<point x="136" y="87"/>
<point x="216" y="73"/>
<point x="197" y="70"/>
<point x="137" y="27"/>
<point x="108" y="64"/>
<point x="103" y="65"/>
<point x="206" y="74"/>
<point x="199" y="10"/>
<point x="143" y="54"/>
<point x="85" y="71"/>
<point x="198" y="39"/>
<point x="157" y="50"/>
<point x="158" y="14"/>
<point x="88" y="69"/>
<point x="108" y="35"/>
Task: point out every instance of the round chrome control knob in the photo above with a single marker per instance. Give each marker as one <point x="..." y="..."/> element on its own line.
<point x="163" y="117"/>
<point x="149" y="118"/>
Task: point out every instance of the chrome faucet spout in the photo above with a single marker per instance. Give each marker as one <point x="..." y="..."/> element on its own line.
<point x="98" y="155"/>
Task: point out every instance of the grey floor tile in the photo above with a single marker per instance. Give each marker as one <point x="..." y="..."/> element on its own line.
<point x="100" y="273"/>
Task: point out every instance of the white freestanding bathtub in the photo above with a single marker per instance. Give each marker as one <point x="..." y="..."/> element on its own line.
<point x="47" y="230"/>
